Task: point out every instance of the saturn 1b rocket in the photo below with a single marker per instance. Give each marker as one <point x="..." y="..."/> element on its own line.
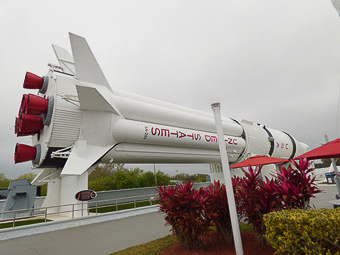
<point x="77" y="120"/>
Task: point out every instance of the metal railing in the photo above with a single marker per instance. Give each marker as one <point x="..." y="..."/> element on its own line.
<point x="84" y="208"/>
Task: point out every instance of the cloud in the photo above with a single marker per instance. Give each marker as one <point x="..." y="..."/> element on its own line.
<point x="273" y="62"/>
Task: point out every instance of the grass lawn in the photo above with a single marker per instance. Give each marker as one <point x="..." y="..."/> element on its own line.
<point x="21" y="223"/>
<point x="156" y="246"/>
<point x="151" y="248"/>
<point x="100" y="210"/>
<point x="112" y="208"/>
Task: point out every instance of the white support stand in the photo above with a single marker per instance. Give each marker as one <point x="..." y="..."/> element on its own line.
<point x="216" y="172"/>
<point x="336" y="171"/>
<point x="53" y="196"/>
<point x="61" y="191"/>
<point x="215" y="105"/>
<point x="70" y="186"/>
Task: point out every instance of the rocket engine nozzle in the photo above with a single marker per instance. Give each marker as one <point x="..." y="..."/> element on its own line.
<point x="17" y="129"/>
<point x="32" y="104"/>
<point x="28" y="124"/>
<point x="33" y="81"/>
<point x="23" y="104"/>
<point x="24" y="153"/>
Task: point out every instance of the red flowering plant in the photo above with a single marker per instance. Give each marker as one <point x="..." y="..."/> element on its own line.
<point x="256" y="198"/>
<point x="236" y="182"/>
<point x="295" y="186"/>
<point x="185" y="212"/>
<point x="217" y="208"/>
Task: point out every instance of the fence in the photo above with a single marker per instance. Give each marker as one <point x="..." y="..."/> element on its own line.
<point x="106" y="199"/>
<point x="44" y="213"/>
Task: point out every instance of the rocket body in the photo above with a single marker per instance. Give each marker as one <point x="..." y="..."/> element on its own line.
<point x="89" y="122"/>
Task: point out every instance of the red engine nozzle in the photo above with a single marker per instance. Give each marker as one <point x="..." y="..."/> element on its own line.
<point x="29" y="124"/>
<point x="24" y="153"/>
<point x="21" y="133"/>
<point x="16" y="127"/>
<point x="35" y="105"/>
<point x="33" y="81"/>
<point x="23" y="104"/>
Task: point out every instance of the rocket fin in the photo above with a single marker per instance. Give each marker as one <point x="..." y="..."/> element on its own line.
<point x="95" y="99"/>
<point x="82" y="157"/>
<point x="65" y="59"/>
<point x="87" y="67"/>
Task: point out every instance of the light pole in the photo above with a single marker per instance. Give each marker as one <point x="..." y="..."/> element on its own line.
<point x="154" y="171"/>
<point x="336" y="4"/>
<point x="215" y="105"/>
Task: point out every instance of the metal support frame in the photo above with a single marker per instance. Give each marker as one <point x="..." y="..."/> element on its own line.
<point x="62" y="153"/>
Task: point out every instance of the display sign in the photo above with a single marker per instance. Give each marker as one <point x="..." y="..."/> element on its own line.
<point x="86" y="195"/>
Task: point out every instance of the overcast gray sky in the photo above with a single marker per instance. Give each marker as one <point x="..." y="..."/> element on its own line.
<point x="275" y="62"/>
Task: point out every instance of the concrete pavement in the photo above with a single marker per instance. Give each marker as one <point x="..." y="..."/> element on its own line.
<point x="110" y="236"/>
<point x="322" y="199"/>
<point x="95" y="239"/>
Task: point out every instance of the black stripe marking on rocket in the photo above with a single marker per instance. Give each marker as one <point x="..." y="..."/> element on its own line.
<point x="294" y="145"/>
<point x="271" y="140"/>
<point x="244" y="136"/>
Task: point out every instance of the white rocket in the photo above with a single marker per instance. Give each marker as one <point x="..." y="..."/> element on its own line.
<point x="77" y="120"/>
<point x="336" y="4"/>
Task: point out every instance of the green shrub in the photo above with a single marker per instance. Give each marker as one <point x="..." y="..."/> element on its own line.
<point x="304" y="231"/>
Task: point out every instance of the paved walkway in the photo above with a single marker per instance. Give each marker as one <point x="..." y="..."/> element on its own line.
<point x="322" y="199"/>
<point x="110" y="236"/>
<point x="95" y="239"/>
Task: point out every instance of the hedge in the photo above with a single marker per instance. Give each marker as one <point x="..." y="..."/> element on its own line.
<point x="304" y="231"/>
